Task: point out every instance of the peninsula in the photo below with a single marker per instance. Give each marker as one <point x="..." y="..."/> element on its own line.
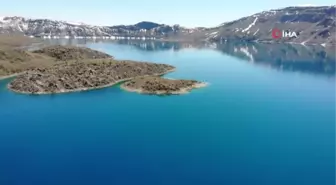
<point x="61" y="69"/>
<point x="84" y="75"/>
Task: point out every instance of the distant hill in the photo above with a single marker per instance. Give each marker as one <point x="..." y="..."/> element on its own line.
<point x="61" y="29"/>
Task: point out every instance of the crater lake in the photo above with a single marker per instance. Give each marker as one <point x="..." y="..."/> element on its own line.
<point x="267" y="117"/>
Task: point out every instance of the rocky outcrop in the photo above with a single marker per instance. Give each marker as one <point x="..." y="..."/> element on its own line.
<point x="79" y="76"/>
<point x="71" y="53"/>
<point x="158" y="85"/>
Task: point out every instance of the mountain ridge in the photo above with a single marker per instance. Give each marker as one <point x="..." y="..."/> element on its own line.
<point x="314" y="25"/>
<point x="57" y="29"/>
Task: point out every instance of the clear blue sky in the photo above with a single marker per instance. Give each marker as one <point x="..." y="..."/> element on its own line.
<point x="188" y="13"/>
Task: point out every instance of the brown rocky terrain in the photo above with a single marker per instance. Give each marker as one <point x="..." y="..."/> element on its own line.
<point x="79" y="76"/>
<point x="14" y="59"/>
<point x="71" y="53"/>
<point x="158" y="85"/>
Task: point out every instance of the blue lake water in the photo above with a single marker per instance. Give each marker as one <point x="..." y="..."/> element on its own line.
<point x="267" y="118"/>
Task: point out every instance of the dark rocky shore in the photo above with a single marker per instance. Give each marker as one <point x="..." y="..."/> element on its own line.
<point x="80" y="76"/>
<point x="158" y="85"/>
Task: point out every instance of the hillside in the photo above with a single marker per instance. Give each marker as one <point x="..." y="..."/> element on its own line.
<point x="14" y="59"/>
<point x="314" y="25"/>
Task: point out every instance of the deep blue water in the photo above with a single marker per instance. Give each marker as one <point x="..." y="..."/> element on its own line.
<point x="265" y="120"/>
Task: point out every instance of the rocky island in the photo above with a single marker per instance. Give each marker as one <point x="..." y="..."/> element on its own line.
<point x="158" y="85"/>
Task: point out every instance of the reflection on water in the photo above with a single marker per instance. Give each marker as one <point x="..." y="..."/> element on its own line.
<point x="140" y="44"/>
<point x="300" y="58"/>
<point x="308" y="59"/>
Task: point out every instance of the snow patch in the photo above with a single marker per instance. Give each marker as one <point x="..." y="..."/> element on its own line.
<point x="75" y="23"/>
<point x="256" y="32"/>
<point x="19" y="28"/>
<point x="222" y="24"/>
<point x="252" y="24"/>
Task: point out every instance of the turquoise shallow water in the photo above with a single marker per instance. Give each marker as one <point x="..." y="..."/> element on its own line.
<point x="254" y="124"/>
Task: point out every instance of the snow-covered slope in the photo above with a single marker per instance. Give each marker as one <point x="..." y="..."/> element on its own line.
<point x="55" y="29"/>
<point x="313" y="25"/>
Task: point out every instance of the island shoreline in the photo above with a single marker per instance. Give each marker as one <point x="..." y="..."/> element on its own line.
<point x="184" y="90"/>
<point x="84" y="89"/>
